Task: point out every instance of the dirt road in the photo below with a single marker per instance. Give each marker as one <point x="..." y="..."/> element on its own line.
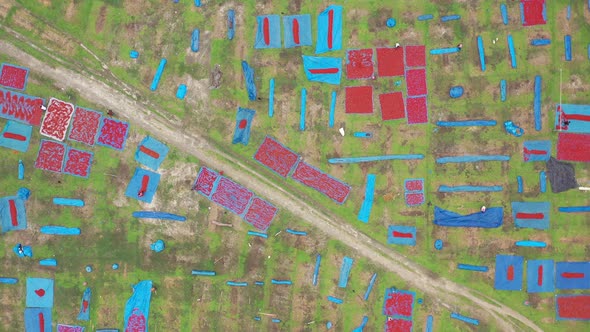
<point x="452" y="296"/>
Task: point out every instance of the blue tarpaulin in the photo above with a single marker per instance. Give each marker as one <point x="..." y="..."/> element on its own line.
<point x="361" y="327"/>
<point x="448" y="50"/>
<point x="574" y="209"/>
<point x="568" y="47"/>
<point x="13" y="215"/>
<point x="21" y="170"/>
<point x="509" y="270"/>
<point x="151" y="153"/>
<point x="537" y="103"/>
<point x="504" y="11"/>
<point x="158" y="74"/>
<point x="542" y="181"/>
<point x="39" y="293"/>
<point x="329" y="30"/>
<point x="540" y="276"/>
<point x="332" y="110"/>
<point x="482" y="55"/>
<point x="323" y="69"/>
<point x="158" y="215"/>
<point x="137" y="308"/>
<point x="303" y="109"/>
<point x="425" y="17"/>
<point x="403" y="235"/>
<point x="492" y="218"/>
<point x="367" y="205"/>
<point x="456" y="92"/>
<point x="536" y="150"/>
<point x="450" y="18"/>
<point x="158" y="246"/>
<point x="469" y="267"/>
<point x="572" y="275"/>
<point x="48" y="262"/>
<point x="370" y="287"/>
<point x="143" y="185"/>
<point x="84" y="313"/>
<point x="38" y="320"/>
<point x="231" y="20"/>
<point x="60" y="230"/>
<point x="316" y="271"/>
<point x="465" y="319"/>
<point x="577" y="115"/>
<point x="181" y="91"/>
<point x="249" y="78"/>
<point x="68" y="201"/>
<point x="16" y="136"/>
<point x="271" y="97"/>
<point x="531" y="214"/>
<point x="335" y="299"/>
<point x="268" y="32"/>
<point x="22" y="251"/>
<point x="345" y="271"/>
<point x="11" y="281"/>
<point x="540" y="42"/>
<point x="195" y="40"/>
<point x="503" y="90"/>
<point x="244" y="117"/>
<point x="297" y="30"/>
<point x="512" y="51"/>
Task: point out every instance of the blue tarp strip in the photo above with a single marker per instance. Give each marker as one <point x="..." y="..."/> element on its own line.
<point x="569" y="12"/>
<point x="573" y="209"/>
<point x="197" y="3"/>
<point x="361" y="327"/>
<point x="429" y="323"/>
<point x="271" y="97"/>
<point x="323" y="69"/>
<point x="542" y="182"/>
<point x="362" y="134"/>
<point x="303" y="22"/>
<point x="512" y="51"/>
<point x="528" y="243"/>
<point x="370" y="288"/>
<point x="492" y="218"/>
<point x="48" y="262"/>
<point x="137" y="309"/>
<point x="471" y="159"/>
<point x="509" y="272"/>
<point x="249" y="78"/>
<point x="332" y="110"/>
<point x="181" y="91"/>
<point x="466" y="123"/>
<point x="345" y="271"/>
<point x="482" y="56"/>
<point x="575" y="125"/>
<point x="281" y="282"/>
<point x="231" y="24"/>
<point x="454" y="189"/>
<point x="21" y="170"/>
<point x="60" y="230"/>
<point x="503" y="90"/>
<point x="450" y="18"/>
<point x="303" y="103"/>
<point x="5" y="280"/>
<point x="545" y="268"/>
<point x="367" y="205"/>
<point x="158" y="215"/>
<point x="425" y="17"/>
<point x="520" y="184"/>
<point x="581" y="280"/>
<point x="294" y="232"/>
<point x="195" y="40"/>
<point x="274" y="32"/>
<point x="568" y="47"/>
<point x="322" y="43"/>
<point x="68" y="201"/>
<point x="237" y="283"/>
<point x="33" y="318"/>
<point x="504" y="11"/>
<point x="531" y="208"/>
<point x="203" y="273"/>
<point x="334" y="299"/>
<point x="537" y="103"/>
<point x="439" y="51"/>
<point x="257" y="234"/>
<point x="156" y="146"/>
<point x="469" y="267"/>
<point x="242" y="130"/>
<point x="259" y="283"/>
<point x="316" y="271"/>
<point x="352" y="160"/>
<point x="540" y="42"/>
<point x="158" y="74"/>
<point x="465" y="319"/>
<point x="84" y="313"/>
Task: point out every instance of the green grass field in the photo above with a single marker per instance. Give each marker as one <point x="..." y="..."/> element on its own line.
<point x="161" y="29"/>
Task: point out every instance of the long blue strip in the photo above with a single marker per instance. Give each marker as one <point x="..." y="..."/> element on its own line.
<point x="370" y="288"/>
<point x="439" y="51"/>
<point x="159" y="72"/>
<point x="352" y="160"/>
<point x="520" y="184"/>
<point x="512" y="51"/>
<point x="467" y="123"/>
<point x="465" y="318"/>
<point x="471" y="159"/>
<point x="504" y="11"/>
<point x="503" y="90"/>
<point x="316" y="272"/>
<point x="469" y="267"/>
<point x="303" y="102"/>
<point x="271" y="98"/>
<point x="537" y="103"/>
<point x="482" y="56"/>
<point x="332" y="110"/>
<point x="535" y="244"/>
<point x="455" y="189"/>
<point x="573" y="209"/>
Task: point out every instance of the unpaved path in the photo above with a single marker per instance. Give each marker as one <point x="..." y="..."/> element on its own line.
<point x="448" y="294"/>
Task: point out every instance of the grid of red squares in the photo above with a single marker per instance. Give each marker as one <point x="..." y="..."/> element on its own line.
<point x="409" y="62"/>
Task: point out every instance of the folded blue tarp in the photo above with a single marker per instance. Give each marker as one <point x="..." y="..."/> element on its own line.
<point x="84" y="313"/>
<point x="231" y="14"/>
<point x="492" y="218"/>
<point x="68" y="201"/>
<point x="195" y="40"/>
<point x="4" y="280"/>
<point x="137" y="309"/>
<point x="249" y="78"/>
<point x="60" y="230"/>
<point x="48" y="262"/>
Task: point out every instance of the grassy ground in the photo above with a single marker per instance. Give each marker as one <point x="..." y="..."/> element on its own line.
<point x="159" y="29"/>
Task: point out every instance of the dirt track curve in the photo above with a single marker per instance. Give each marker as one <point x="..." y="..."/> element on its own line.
<point x="448" y="294"/>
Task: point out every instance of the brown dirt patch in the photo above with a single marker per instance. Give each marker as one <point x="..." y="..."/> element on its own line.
<point x="100" y="20"/>
<point x="70" y="11"/>
<point x="5" y="6"/>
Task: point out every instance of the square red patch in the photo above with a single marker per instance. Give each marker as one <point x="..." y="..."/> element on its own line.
<point x="359" y="99"/>
<point x="416" y="82"/>
<point x="417" y="110"/>
<point x="392" y="106"/>
<point x="390" y="62"/>
<point x="416" y="56"/>
<point x="359" y="64"/>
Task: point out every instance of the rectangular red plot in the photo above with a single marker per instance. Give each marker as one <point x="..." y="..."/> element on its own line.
<point x="205" y="181"/>
<point x="20" y="107"/>
<point x="533" y="12"/>
<point x="573" y="307"/>
<point x="359" y="64"/>
<point x="275" y="156"/>
<point x="51" y="156"/>
<point x="322" y="182"/>
<point x="416" y="56"/>
<point x="416" y="82"/>
<point x="260" y="213"/>
<point x="398" y="325"/>
<point x="57" y="119"/>
<point x="78" y="162"/>
<point x="14" y="77"/>
<point x="232" y="196"/>
<point x="573" y="147"/>
<point x="359" y="99"/>
<point x="398" y="303"/>
<point x="390" y="61"/>
<point x="85" y="124"/>
<point x="417" y="110"/>
<point x="392" y="106"/>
